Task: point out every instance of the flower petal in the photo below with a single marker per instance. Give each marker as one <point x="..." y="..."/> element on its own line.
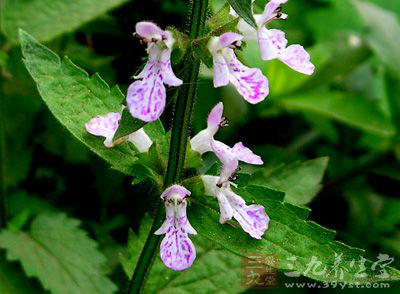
<point x="201" y="143"/>
<point x="227" y="39"/>
<point x="104" y="126"/>
<point x="248" y="32"/>
<point x="245" y="154"/>
<point x="153" y="62"/>
<point x="228" y="159"/>
<point x="250" y="82"/>
<point x="210" y="184"/>
<point x="149" y="30"/>
<point x="215" y="117"/>
<point x="226" y="211"/>
<point x="175" y="191"/>
<point x="296" y="57"/>
<point x="269" y="11"/>
<point x="141" y="140"/>
<point x="252" y="219"/>
<point x="271" y="43"/>
<point x="146" y="98"/>
<point x="221" y="71"/>
<point x="176" y="250"/>
<point x="168" y="75"/>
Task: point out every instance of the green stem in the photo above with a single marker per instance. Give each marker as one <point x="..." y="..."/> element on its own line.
<point x="3" y="200"/>
<point x="179" y="136"/>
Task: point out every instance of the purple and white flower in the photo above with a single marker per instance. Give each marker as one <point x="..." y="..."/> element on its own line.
<point x="146" y="96"/>
<point x="177" y="250"/>
<point x="230" y="158"/>
<point x="273" y="43"/>
<point x="202" y="141"/>
<point x="252" y="218"/>
<point x="249" y="82"/>
<point x="107" y="125"/>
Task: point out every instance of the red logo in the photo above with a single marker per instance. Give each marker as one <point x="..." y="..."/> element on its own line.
<point x="260" y="270"/>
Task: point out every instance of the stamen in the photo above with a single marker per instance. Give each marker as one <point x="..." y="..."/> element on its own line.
<point x="232" y="178"/>
<point x="224" y="122"/>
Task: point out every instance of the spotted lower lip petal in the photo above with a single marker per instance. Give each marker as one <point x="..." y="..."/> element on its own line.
<point x="177" y="251"/>
<point x="146" y="96"/>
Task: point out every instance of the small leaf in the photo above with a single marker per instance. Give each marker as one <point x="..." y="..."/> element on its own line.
<point x="383" y="26"/>
<point x="47" y="19"/>
<point x="201" y="50"/>
<point x="222" y="22"/>
<point x="352" y="110"/>
<point x="192" y="159"/>
<point x="13" y="281"/>
<point x="244" y="9"/>
<point x="127" y="125"/>
<point x="61" y="255"/>
<point x="299" y="180"/>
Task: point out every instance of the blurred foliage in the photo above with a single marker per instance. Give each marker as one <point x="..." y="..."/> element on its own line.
<point x="348" y="111"/>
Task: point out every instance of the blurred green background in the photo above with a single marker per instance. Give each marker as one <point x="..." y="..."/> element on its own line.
<point x="347" y="111"/>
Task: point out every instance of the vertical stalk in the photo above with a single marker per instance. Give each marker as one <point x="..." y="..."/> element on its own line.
<point x="179" y="136"/>
<point x="3" y="200"/>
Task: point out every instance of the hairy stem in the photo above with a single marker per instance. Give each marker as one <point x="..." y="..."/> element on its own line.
<point x="179" y="136"/>
<point x="3" y="200"/>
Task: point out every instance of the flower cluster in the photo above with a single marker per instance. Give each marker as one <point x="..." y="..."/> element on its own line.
<point x="147" y="95"/>
<point x="146" y="99"/>
<point x="177" y="250"/>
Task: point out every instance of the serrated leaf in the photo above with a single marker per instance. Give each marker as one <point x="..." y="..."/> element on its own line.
<point x="349" y="109"/>
<point x="222" y="22"/>
<point x="299" y="180"/>
<point x="290" y="237"/>
<point x="201" y="50"/>
<point x="192" y="159"/>
<point x="13" y="281"/>
<point x="383" y="26"/>
<point x="74" y="98"/>
<point x="61" y="255"/>
<point x="127" y="125"/>
<point x="244" y="10"/>
<point x="47" y="19"/>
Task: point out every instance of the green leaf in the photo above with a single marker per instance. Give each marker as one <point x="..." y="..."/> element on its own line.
<point x="193" y="159"/>
<point x="47" y="19"/>
<point x="383" y="26"/>
<point x="74" y="98"/>
<point x="222" y="22"/>
<point x="290" y="236"/>
<point x="61" y="255"/>
<point x="13" y="281"/>
<point x="299" y="180"/>
<point x="351" y="110"/>
<point x="244" y="9"/>
<point x="127" y="125"/>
